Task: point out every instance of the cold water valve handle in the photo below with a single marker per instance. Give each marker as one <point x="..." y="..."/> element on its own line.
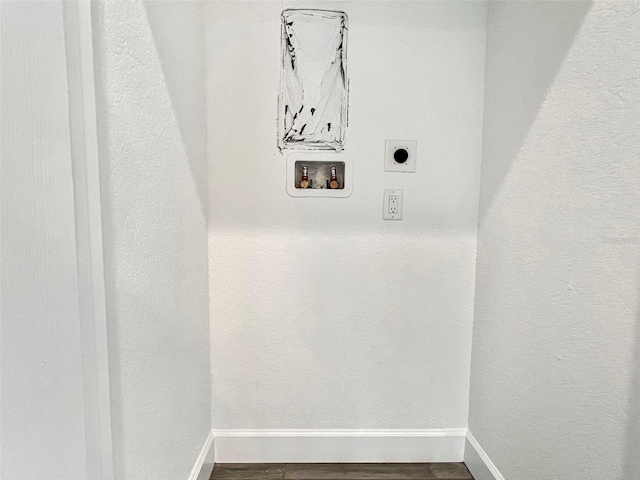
<point x="334" y="178"/>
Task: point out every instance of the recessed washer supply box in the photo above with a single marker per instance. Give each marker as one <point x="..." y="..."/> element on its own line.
<point x="315" y="174"/>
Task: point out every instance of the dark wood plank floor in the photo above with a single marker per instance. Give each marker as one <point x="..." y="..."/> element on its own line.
<point x="340" y="471"/>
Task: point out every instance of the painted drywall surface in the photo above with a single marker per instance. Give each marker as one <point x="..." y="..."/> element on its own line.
<point x="155" y="234"/>
<point x="42" y="415"/>
<point x="555" y="366"/>
<point x="322" y="314"/>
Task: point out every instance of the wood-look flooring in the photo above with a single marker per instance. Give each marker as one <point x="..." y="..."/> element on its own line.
<point x="340" y="471"/>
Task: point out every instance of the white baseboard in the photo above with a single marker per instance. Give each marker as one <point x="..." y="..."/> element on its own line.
<point x="204" y="464"/>
<point x="339" y="446"/>
<point x="478" y="462"/>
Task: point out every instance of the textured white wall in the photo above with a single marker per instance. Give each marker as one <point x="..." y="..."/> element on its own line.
<point x="42" y="407"/>
<point x="555" y="367"/>
<point x="322" y="314"/>
<point x="150" y="76"/>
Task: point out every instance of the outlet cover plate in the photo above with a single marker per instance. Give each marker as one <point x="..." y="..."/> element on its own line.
<point x="386" y="210"/>
<point x="390" y="165"/>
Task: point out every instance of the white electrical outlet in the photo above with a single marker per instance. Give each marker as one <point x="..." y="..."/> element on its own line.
<point x="392" y="204"/>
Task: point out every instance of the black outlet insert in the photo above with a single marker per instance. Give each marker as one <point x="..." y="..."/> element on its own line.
<point x="400" y="155"/>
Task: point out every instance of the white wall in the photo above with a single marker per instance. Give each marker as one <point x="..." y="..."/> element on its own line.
<point x="150" y="87"/>
<point x="322" y="314"/>
<point x="42" y="415"/>
<point x="555" y="366"/>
